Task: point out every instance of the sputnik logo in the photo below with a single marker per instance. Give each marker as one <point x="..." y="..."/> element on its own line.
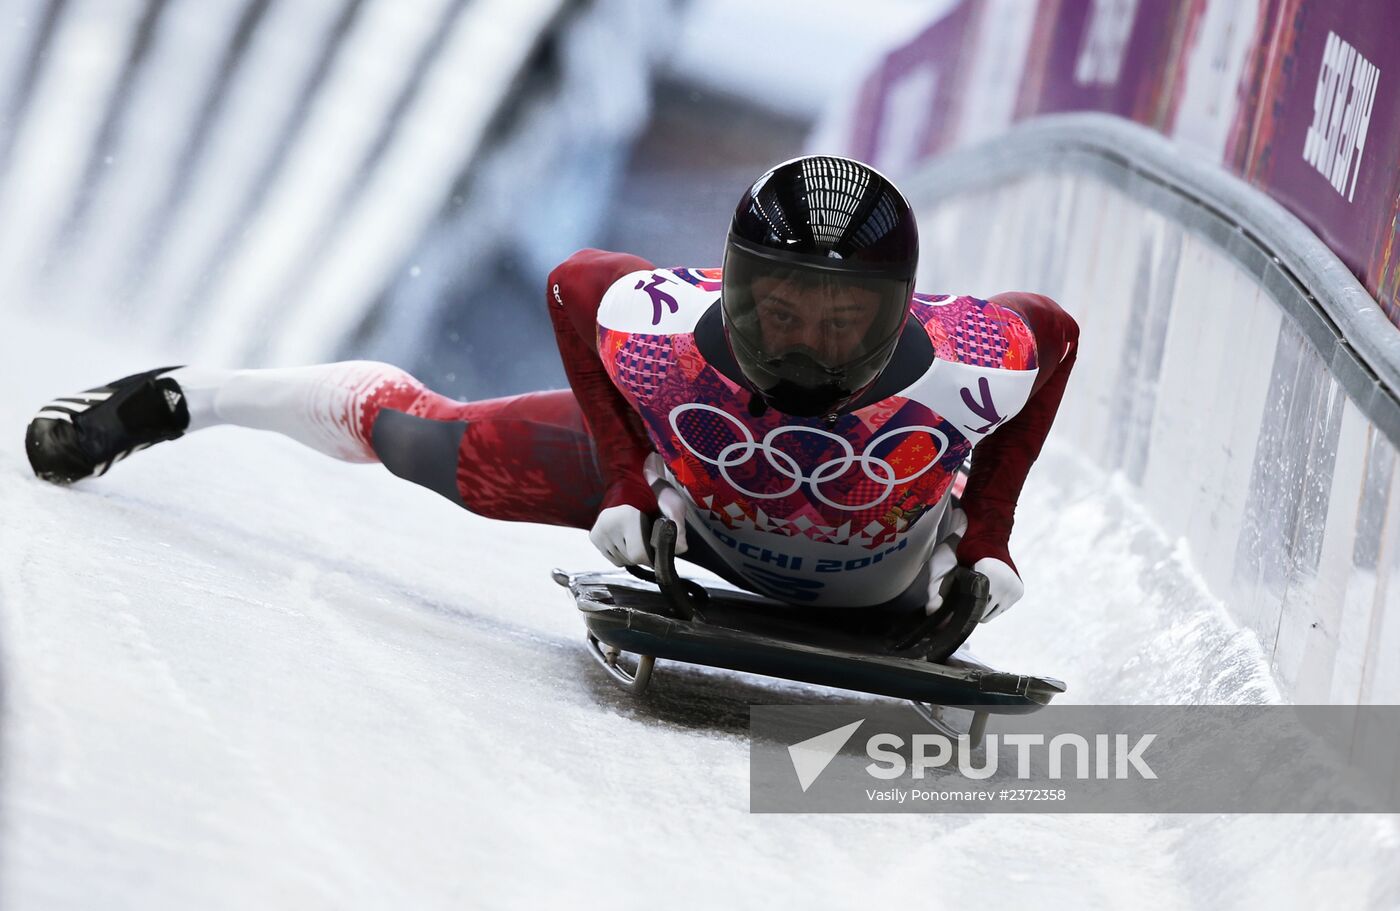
<point x="811" y="757"/>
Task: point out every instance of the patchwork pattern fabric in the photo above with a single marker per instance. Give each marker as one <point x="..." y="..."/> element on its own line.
<point x="967" y="330"/>
<point x="704" y="279"/>
<point x="643" y="361"/>
<point x="862" y="481"/>
<point x="979" y="340"/>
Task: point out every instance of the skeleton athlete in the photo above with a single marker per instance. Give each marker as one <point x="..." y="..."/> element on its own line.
<point x="801" y="413"/>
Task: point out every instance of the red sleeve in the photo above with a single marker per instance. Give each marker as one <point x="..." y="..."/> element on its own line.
<point x="1002" y="460"/>
<point x="575" y="289"/>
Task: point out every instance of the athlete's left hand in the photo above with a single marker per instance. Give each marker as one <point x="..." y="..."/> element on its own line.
<point x="1004" y="587"/>
<point x="668" y="498"/>
<point x="673" y="507"/>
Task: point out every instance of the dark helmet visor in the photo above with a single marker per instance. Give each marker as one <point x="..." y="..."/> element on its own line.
<point x="807" y="326"/>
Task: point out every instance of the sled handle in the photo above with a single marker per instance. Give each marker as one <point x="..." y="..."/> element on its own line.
<point x="661" y="548"/>
<point x="941" y="634"/>
<point x="663" y="561"/>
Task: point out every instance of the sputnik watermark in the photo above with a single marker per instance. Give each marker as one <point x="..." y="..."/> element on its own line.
<point x="1117" y="757"/>
<point x="810" y="757"/>
<point x="872" y="758"/>
<point x="1124" y="754"/>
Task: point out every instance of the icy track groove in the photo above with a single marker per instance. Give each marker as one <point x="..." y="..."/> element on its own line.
<point x="238" y="674"/>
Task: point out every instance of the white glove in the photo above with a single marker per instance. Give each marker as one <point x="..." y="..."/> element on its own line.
<point x="1004" y="587"/>
<point x="940" y="577"/>
<point x="620" y="532"/>
<point x="671" y="500"/>
<point x="673" y="507"/>
<point x="944" y="560"/>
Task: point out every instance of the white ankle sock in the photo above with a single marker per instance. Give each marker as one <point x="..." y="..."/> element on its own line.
<point x="317" y="405"/>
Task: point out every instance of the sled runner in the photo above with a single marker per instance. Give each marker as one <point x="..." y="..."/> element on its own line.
<point x="636" y="617"/>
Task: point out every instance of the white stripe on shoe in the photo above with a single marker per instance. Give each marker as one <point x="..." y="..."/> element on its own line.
<point x="54" y="415"/>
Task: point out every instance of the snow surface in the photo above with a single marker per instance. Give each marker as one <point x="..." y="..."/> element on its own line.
<point x="240" y="675"/>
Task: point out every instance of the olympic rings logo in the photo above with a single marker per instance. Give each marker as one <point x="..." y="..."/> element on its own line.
<point x="742" y="451"/>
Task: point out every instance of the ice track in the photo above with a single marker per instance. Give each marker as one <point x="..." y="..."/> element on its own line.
<point x="240" y="675"/>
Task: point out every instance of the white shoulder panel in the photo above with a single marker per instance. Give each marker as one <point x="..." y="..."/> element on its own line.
<point x="977" y="400"/>
<point x="654" y="302"/>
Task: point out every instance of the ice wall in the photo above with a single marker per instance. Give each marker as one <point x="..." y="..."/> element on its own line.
<point x="1214" y="374"/>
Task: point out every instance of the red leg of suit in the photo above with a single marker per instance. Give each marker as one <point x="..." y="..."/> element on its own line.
<point x="524" y="458"/>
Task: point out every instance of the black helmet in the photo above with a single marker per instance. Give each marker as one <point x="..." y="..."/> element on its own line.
<point x="818" y="277"/>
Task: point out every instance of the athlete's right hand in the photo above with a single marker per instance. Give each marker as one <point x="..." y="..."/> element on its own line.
<point x="621" y="535"/>
<point x="621" y="531"/>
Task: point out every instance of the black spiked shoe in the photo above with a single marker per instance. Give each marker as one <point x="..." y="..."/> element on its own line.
<point x="82" y="435"/>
